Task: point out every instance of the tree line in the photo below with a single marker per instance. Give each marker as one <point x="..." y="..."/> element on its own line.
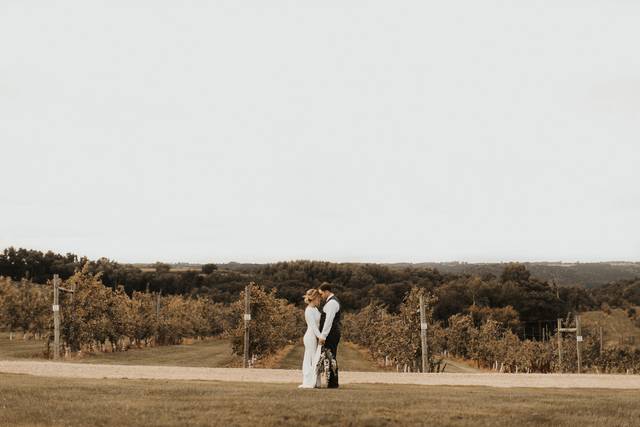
<point x="587" y="274"/>
<point x="477" y="318"/>
<point x="359" y="285"/>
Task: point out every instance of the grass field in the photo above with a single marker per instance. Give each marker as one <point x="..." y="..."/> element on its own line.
<point x="19" y="348"/>
<point x="213" y="353"/>
<point x="350" y="358"/>
<point x="27" y="400"/>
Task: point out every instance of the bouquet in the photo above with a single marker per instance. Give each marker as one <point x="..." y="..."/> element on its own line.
<point x="327" y="366"/>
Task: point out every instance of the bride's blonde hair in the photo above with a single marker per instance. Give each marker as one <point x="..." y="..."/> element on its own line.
<point x="311" y="295"/>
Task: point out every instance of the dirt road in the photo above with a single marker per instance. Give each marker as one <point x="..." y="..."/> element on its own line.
<point x="78" y="370"/>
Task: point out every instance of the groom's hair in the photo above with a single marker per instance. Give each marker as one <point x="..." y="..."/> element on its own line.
<point x="325" y="287"/>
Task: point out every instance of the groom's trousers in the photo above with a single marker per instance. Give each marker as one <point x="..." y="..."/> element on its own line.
<point x="332" y="344"/>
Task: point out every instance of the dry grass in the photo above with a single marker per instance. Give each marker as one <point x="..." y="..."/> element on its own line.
<point x="455" y="365"/>
<point x="354" y="358"/>
<point x="614" y="325"/>
<point x="211" y="353"/>
<point x="350" y="358"/>
<point x="26" y="400"/>
<point x="19" y="348"/>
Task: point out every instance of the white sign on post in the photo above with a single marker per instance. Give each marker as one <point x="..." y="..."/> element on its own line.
<point x="56" y="307"/>
<point x="579" y="338"/>
<point x="423" y="326"/>
<point x="247" y="317"/>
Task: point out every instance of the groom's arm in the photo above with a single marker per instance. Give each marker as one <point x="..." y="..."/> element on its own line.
<point x="330" y="310"/>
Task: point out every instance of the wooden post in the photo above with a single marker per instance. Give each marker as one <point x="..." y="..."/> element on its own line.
<point x="158" y="306"/>
<point x="559" y="334"/>
<point x="601" y="346"/>
<point x="540" y="335"/>
<point x="247" y="318"/>
<point x="579" y="343"/>
<point x="56" y="318"/>
<point x="423" y="334"/>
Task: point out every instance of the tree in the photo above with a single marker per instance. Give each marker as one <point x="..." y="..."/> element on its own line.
<point x="460" y="333"/>
<point x="515" y="272"/>
<point x="9" y="317"/>
<point x="144" y="318"/>
<point x="86" y="318"/>
<point x="161" y="267"/>
<point x="507" y="317"/>
<point x="274" y="323"/>
<point x="209" y="268"/>
<point x="396" y="337"/>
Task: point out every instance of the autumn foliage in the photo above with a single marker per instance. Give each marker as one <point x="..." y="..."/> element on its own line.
<point x="98" y="318"/>
<point x="482" y="336"/>
<point x="274" y="323"/>
<point x="394" y="339"/>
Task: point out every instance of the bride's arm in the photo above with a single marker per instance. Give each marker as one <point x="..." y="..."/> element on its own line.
<point x="311" y="324"/>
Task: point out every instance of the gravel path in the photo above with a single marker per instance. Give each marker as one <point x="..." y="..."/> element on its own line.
<point x="82" y="370"/>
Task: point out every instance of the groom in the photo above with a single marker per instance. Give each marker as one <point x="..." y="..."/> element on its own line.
<point x="330" y="326"/>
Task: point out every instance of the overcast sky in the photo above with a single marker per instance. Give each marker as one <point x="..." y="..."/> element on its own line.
<point x="345" y="131"/>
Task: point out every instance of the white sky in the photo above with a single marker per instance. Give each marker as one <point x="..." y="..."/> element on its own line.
<point x="346" y="131"/>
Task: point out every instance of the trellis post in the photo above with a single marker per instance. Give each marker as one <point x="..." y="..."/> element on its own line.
<point x="559" y="334"/>
<point x="578" y="331"/>
<point x="423" y="334"/>
<point x="158" y="295"/>
<point x="579" y="343"/>
<point x="600" y="330"/>
<point x="56" y="313"/>
<point x="56" y="318"/>
<point x="247" y="319"/>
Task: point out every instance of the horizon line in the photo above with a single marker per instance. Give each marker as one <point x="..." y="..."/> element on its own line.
<point x="353" y="260"/>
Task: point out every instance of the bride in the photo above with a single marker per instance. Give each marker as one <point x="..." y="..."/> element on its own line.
<point x="311" y="348"/>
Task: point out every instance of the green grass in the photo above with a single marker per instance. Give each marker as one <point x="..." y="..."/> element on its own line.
<point x="212" y="353"/>
<point x="350" y="358"/>
<point x="27" y="400"/>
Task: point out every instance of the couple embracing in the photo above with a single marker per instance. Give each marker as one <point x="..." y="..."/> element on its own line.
<point x="322" y="338"/>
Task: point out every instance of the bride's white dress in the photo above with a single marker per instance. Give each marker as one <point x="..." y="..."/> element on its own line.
<point x="311" y="348"/>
